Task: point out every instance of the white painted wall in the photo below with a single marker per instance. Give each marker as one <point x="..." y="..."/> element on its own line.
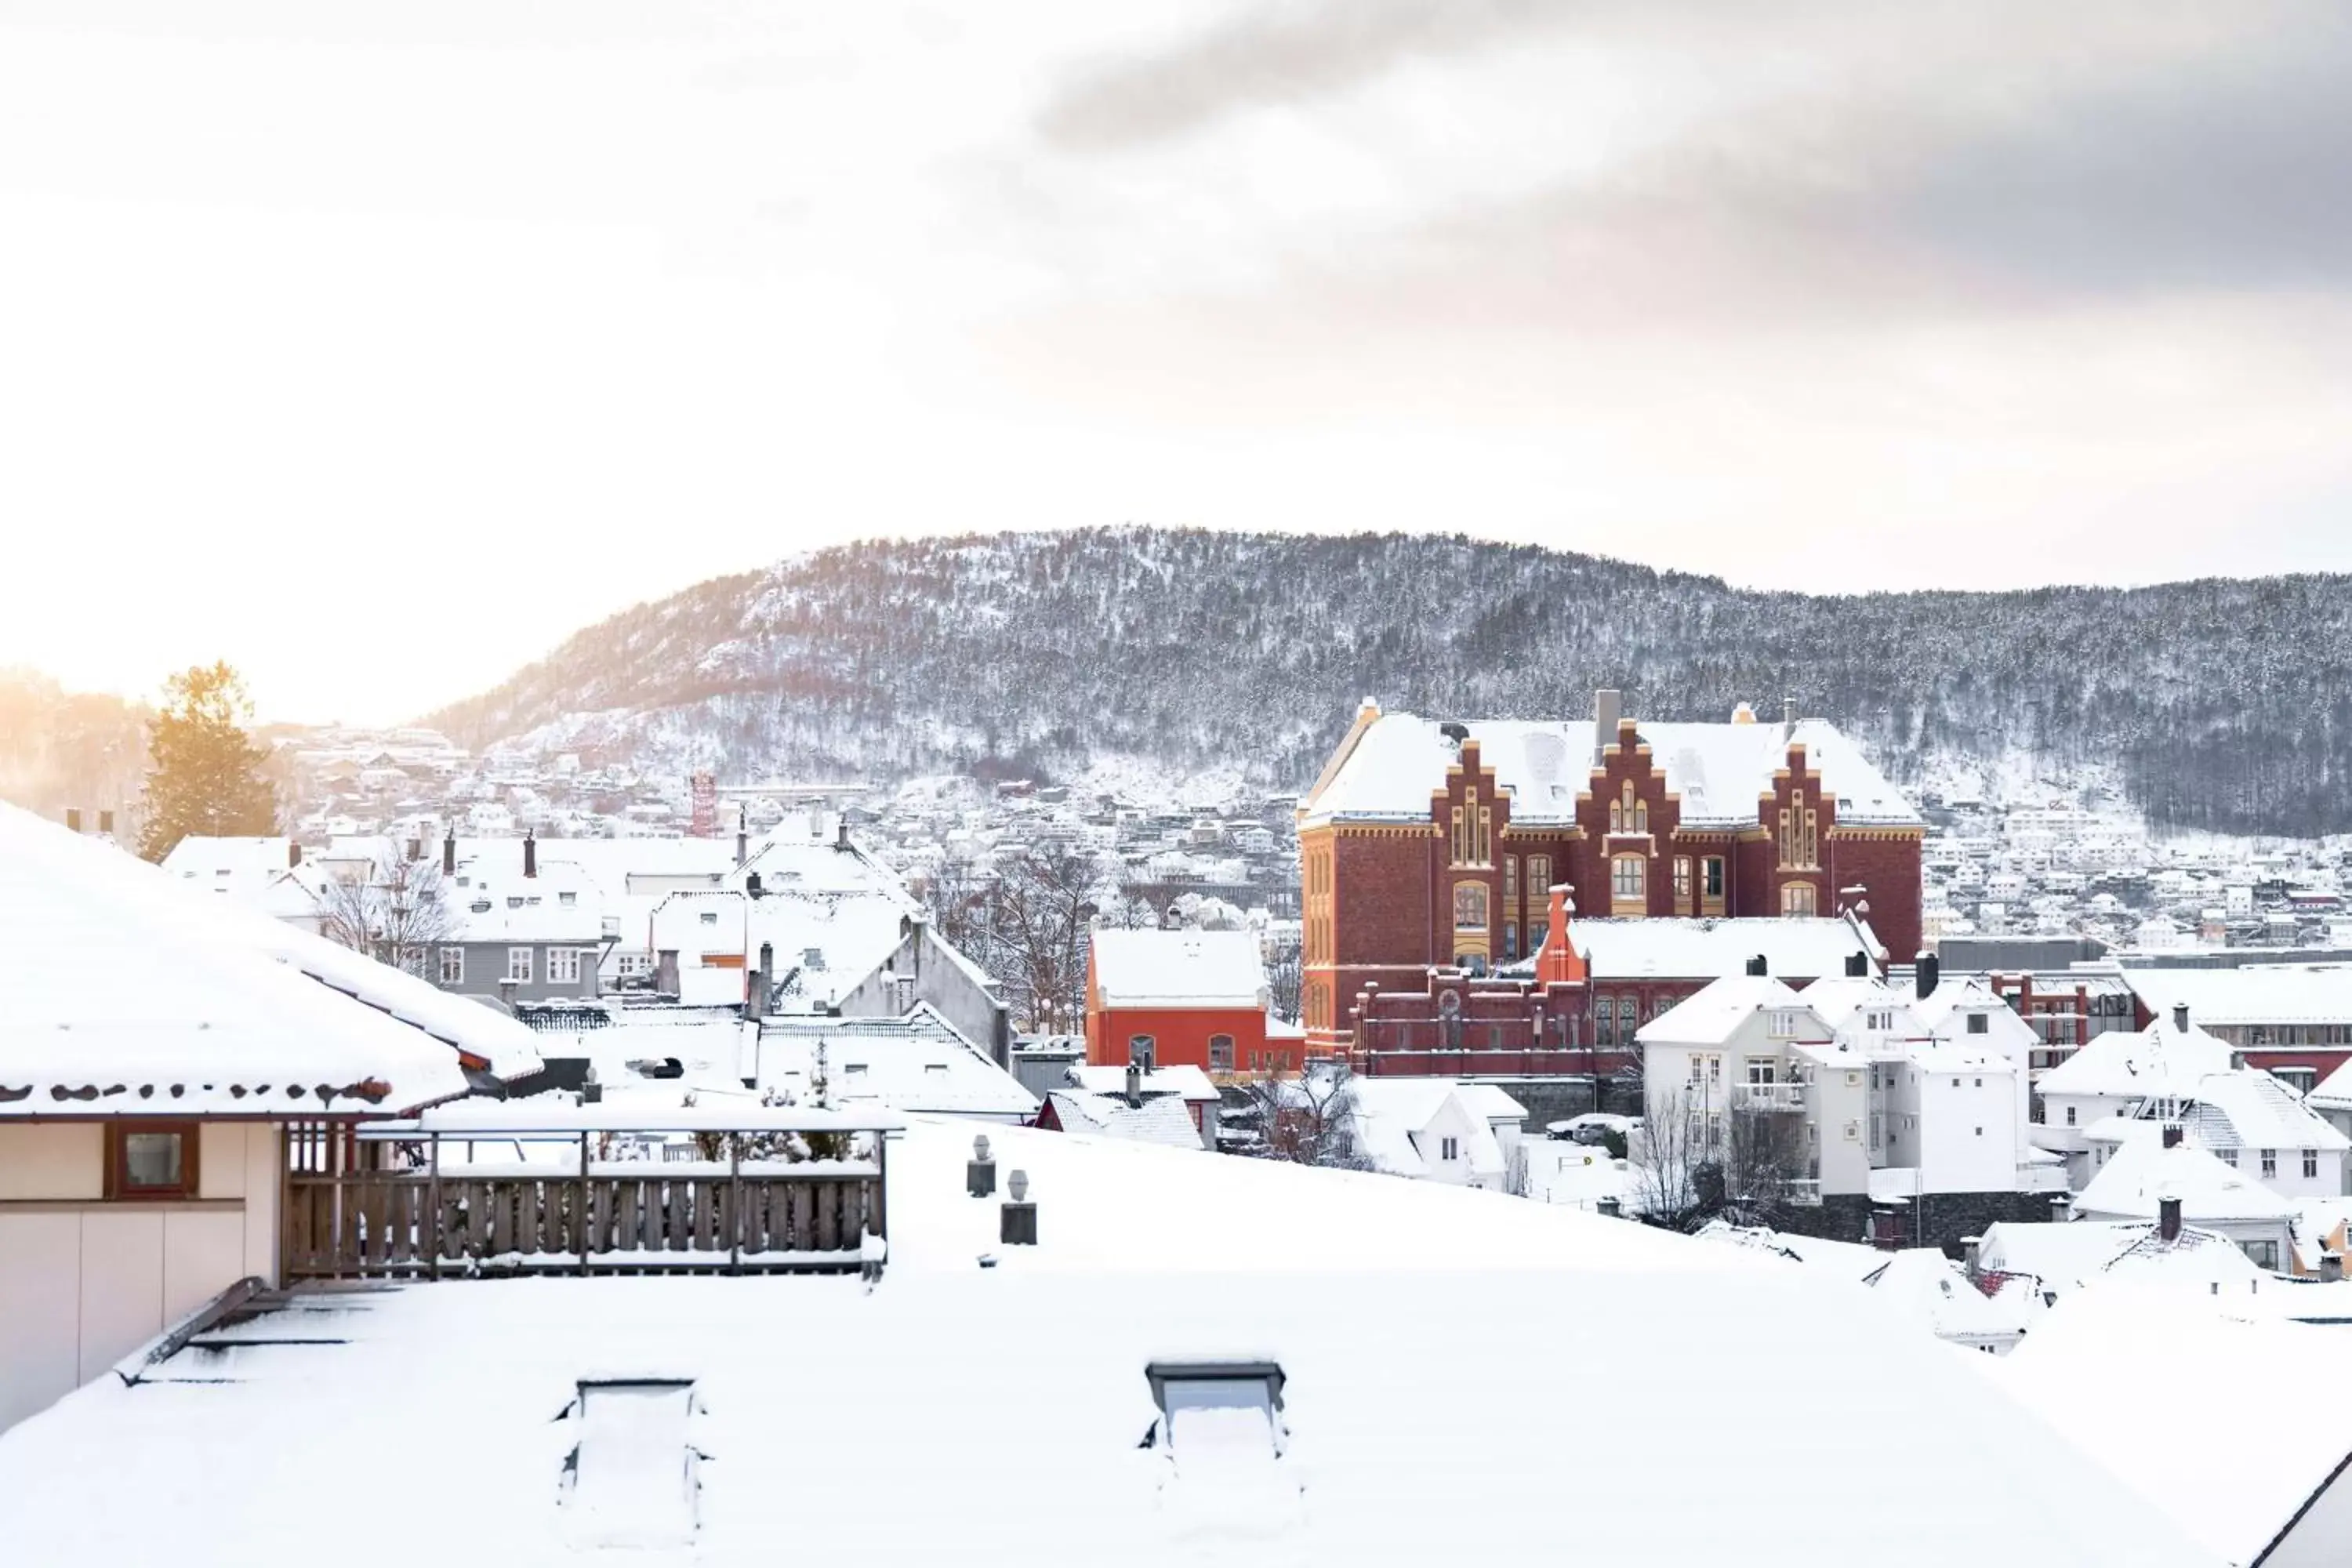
<point x="83" y="1282"/>
<point x="1959" y="1127"/>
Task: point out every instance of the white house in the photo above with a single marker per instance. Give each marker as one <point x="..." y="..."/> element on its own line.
<point x="2117" y="1074"/>
<point x="2146" y="1171"/>
<point x="152" y="1043"/>
<point x="1436" y="1129"/>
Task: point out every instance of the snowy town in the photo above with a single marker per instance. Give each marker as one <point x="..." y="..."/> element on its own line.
<point x="1200" y="783"/>
<point x="1569" y="1032"/>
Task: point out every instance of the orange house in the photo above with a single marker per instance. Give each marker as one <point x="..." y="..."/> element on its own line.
<point x="1188" y="998"/>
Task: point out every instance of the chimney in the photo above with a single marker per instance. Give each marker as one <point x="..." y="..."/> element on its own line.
<point x="1134" y="1086"/>
<point x="1787" y="718"/>
<point x="1885" y="1233"/>
<point x="449" y="853"/>
<point x="2172" y="1135"/>
<point x="2180" y="1017"/>
<point x="73" y="819"/>
<point x="2331" y="1267"/>
<point x="767" y="959"/>
<point x="666" y="971"/>
<point x="1930" y="974"/>
<point x="742" y="833"/>
<point x="841" y="836"/>
<point x="1856" y="965"/>
<point x="1608" y="707"/>
<point x="751" y="885"/>
<point x="2167" y="1219"/>
<point x="1972" y="1250"/>
<point x="1559" y="962"/>
<point x="1756" y="965"/>
<point x="293" y="854"/>
<point x="755" y="993"/>
<point x="2062" y="1208"/>
<point x="530" y="856"/>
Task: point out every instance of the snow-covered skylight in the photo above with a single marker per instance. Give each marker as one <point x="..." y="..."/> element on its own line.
<point x="633" y="1477"/>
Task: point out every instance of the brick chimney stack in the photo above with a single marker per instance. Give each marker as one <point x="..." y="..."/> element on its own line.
<point x="530" y="856"/>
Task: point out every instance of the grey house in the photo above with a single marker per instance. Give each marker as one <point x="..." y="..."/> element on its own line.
<point x="526" y="929"/>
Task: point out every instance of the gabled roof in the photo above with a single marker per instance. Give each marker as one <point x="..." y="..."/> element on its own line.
<point x="1162" y="1121"/>
<point x="2142" y="1172"/>
<point x="2157" y="1061"/>
<point x="1390" y="766"/>
<point x="1720" y="1010"/>
<point x="917" y="1063"/>
<point x="2249" y="1108"/>
<point x="1929" y="1288"/>
<point x="128" y="995"/>
<point x="1221" y="969"/>
<point x="1184" y="1081"/>
<point x="2085" y="1252"/>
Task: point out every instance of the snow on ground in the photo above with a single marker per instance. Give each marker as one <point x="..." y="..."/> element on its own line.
<point x="1429" y="1337"/>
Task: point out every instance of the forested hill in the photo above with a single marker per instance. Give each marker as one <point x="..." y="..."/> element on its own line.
<point x="2226" y="704"/>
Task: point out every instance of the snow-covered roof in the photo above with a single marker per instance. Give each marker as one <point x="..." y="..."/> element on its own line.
<point x="2249" y="1108"/>
<point x="917" y="1420"/>
<point x="917" y="1063"/>
<point x="1720" y="1009"/>
<point x="2159" y="1060"/>
<point x="1223" y="969"/>
<point x="2142" y="1172"/>
<point x="1929" y="1288"/>
<point x="2255" y="993"/>
<point x="2111" y="1371"/>
<point x="1161" y="1120"/>
<point x="1794" y="948"/>
<point x="2334" y="1092"/>
<point x="2132" y="1252"/>
<point x="128" y="995"/>
<point x="1718" y="770"/>
<point x="1185" y="1081"/>
<point x="1394" y="1116"/>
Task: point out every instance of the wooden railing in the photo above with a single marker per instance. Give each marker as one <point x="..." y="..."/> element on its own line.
<point x="640" y="1218"/>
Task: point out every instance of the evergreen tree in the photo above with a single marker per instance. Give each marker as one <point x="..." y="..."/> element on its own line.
<point x="203" y="772"/>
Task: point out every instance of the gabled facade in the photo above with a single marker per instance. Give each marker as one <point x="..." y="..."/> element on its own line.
<point x="1427" y="845"/>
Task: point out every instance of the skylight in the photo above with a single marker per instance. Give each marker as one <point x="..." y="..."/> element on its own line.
<point x="1219" y="1411"/>
<point x="633" y="1477"/>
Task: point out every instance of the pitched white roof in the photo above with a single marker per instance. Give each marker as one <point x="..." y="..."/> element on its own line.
<point x="2110" y="1369"/>
<point x="2142" y="1171"/>
<point x="2255" y="993"/>
<point x="962" y="1387"/>
<point x="2093" y="1252"/>
<point x="1179" y="969"/>
<point x="917" y="1063"/>
<point x="1161" y="1120"/>
<point x="1718" y="770"/>
<point x="1929" y="1288"/>
<point x="2249" y="1108"/>
<point x="1715" y="1013"/>
<point x="2159" y="1060"/>
<point x="2334" y="1091"/>
<point x="125" y="994"/>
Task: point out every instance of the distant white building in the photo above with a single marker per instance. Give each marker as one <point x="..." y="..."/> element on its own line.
<point x="1436" y="1129"/>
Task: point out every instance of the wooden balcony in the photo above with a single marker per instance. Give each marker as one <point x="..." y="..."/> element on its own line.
<point x="400" y="1200"/>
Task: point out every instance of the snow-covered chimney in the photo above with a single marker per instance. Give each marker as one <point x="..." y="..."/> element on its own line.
<point x="742" y="833"/>
<point x="841" y="836"/>
<point x="530" y="856"/>
<point x="293" y="854"/>
<point x="1929" y="972"/>
<point x="2172" y="1135"/>
<point x="1787" y="719"/>
<point x="2331" y="1267"/>
<point x="2180" y="1017"/>
<point x="1759" y="965"/>
<point x="449" y="853"/>
<point x="2167" y="1219"/>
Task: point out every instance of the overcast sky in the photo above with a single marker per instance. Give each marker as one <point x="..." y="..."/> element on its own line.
<point x="376" y="347"/>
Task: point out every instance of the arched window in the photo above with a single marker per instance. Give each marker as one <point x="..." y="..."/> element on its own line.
<point x="1221" y="1053"/>
<point x="1629" y="1016"/>
<point x="1604" y="1023"/>
<point x="1798" y="898"/>
<point x="1470" y="906"/>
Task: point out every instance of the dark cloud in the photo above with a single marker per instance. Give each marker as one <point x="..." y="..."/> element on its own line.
<point x="1279" y="54"/>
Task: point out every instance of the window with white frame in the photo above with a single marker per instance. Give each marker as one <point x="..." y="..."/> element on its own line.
<point x="519" y="965"/>
<point x="1449" y="1149"/>
<point x="2310" y="1164"/>
<point x="2270" y="1164"/>
<point x="1763" y="1070"/>
<point x="453" y="966"/>
<point x="1628" y="879"/>
<point x="563" y="965"/>
<point x="1979" y="1024"/>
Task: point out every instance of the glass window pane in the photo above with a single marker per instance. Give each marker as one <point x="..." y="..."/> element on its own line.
<point x="152" y="1158"/>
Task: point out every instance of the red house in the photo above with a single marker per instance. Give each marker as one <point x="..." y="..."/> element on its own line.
<point x="1428" y="845"/>
<point x="1180" y="998"/>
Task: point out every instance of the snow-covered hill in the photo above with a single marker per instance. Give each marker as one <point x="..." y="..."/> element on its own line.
<point x="2220" y="704"/>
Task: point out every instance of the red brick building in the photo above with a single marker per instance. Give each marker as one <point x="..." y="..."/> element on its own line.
<point x="1182" y="998"/>
<point x="1435" y="846"/>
